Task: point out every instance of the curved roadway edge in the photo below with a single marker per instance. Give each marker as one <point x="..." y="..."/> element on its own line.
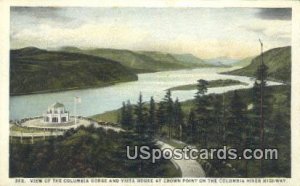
<point x="189" y="168"/>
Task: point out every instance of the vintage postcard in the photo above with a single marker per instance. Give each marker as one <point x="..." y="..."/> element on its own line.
<point x="165" y="92"/>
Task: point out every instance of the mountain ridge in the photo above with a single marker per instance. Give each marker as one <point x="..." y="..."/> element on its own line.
<point x="278" y="61"/>
<point x="150" y="60"/>
<point x="37" y="70"/>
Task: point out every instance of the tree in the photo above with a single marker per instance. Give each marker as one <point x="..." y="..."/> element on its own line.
<point x="141" y="116"/>
<point x="123" y="116"/>
<point x="201" y="110"/>
<point x="202" y="87"/>
<point x="153" y="126"/>
<point x="191" y="127"/>
<point x="161" y="116"/>
<point x="178" y="119"/>
<point x="216" y="117"/>
<point x="169" y="111"/>
<point x="126" y="116"/>
<point x="129" y="115"/>
<point x="236" y="121"/>
<point x="260" y="101"/>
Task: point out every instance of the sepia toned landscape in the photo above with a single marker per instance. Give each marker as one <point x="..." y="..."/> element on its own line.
<point x="85" y="83"/>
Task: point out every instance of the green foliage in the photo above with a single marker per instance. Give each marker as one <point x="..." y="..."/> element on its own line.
<point x="35" y="70"/>
<point x="141" y="126"/>
<point x="278" y="60"/>
<point x="202" y="112"/>
<point x="236" y="121"/>
<point x="86" y="152"/>
<point x="242" y="125"/>
<point x="211" y="84"/>
<point x="189" y="132"/>
<point x="113" y="116"/>
<point x="153" y="125"/>
<point x="144" y="61"/>
<point x="178" y="120"/>
<point x="220" y="109"/>
<point x="127" y="120"/>
<point x="244" y="62"/>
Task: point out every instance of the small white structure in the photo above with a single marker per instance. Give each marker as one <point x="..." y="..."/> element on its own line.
<point x="56" y="114"/>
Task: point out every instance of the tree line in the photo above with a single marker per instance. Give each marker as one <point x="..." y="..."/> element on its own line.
<point x="85" y="152"/>
<point x="152" y="118"/>
<point x="242" y="119"/>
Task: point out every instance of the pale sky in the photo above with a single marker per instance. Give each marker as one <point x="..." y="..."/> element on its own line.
<point x="204" y="32"/>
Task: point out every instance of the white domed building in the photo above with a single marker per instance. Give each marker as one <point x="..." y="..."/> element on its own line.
<point x="56" y="114"/>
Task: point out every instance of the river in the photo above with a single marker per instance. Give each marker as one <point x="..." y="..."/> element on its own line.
<point x="99" y="100"/>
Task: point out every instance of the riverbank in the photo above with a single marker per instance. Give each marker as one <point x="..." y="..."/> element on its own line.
<point x="108" y="84"/>
<point x="114" y="115"/>
<point x="99" y="100"/>
<point x="211" y="84"/>
<point x="72" y="88"/>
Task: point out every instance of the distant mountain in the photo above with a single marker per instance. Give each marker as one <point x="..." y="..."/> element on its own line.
<point x="36" y="70"/>
<point x="189" y="58"/>
<point x="221" y="61"/>
<point x="141" y="61"/>
<point x="278" y="61"/>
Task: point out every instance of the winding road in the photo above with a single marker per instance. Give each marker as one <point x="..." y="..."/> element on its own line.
<point x="189" y="168"/>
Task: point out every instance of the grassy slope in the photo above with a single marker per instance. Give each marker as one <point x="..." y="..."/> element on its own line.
<point x="143" y="60"/>
<point x="109" y="116"/>
<point x="244" y="62"/>
<point x="211" y="84"/>
<point x="34" y="70"/>
<point x="189" y="58"/>
<point x="278" y="61"/>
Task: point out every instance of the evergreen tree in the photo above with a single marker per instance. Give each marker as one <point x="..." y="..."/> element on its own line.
<point x="236" y="121"/>
<point x="202" y="112"/>
<point x="191" y="132"/>
<point x="201" y="87"/>
<point x="153" y="126"/>
<point x="216" y="117"/>
<point x="123" y="116"/>
<point x="129" y="116"/>
<point x="161" y="116"/>
<point x="141" y="116"/>
<point x="169" y="111"/>
<point x="126" y="118"/>
<point x="178" y="119"/>
<point x="261" y="103"/>
<point x="260" y="100"/>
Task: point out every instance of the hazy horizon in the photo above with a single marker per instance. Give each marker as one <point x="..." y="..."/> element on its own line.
<point x="204" y="32"/>
<point x="213" y="57"/>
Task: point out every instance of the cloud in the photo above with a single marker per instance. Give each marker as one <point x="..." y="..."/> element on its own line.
<point x="88" y="35"/>
<point x="275" y="13"/>
<point x="40" y="12"/>
<point x="270" y="29"/>
<point x="43" y="15"/>
<point x="214" y="33"/>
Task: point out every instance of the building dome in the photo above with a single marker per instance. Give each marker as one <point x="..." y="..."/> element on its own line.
<point x="57" y="105"/>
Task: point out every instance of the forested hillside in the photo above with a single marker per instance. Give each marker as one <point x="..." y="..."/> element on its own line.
<point x="35" y="70"/>
<point x="86" y="152"/>
<point x="143" y="61"/>
<point x="278" y="61"/>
